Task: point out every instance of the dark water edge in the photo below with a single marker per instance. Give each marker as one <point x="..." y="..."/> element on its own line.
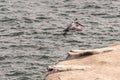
<point x="30" y="33"/>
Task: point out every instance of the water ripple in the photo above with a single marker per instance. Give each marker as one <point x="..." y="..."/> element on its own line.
<point x="15" y="73"/>
<point x="91" y="6"/>
<point x="31" y="33"/>
<point x="7" y="19"/>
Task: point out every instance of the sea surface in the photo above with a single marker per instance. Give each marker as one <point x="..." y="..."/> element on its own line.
<point x="31" y="33"/>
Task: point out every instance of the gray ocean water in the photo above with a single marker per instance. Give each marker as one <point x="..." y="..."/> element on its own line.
<point x="30" y="33"/>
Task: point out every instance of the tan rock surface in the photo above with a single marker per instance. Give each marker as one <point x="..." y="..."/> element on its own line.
<point x="103" y="66"/>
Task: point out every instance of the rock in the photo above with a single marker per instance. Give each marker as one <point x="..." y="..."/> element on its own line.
<point x="94" y="64"/>
<point x="56" y="68"/>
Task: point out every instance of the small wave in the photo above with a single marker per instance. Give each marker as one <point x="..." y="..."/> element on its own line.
<point x="117" y="15"/>
<point x="45" y="57"/>
<point x="2" y="58"/>
<point x="90" y="6"/>
<point x="63" y="14"/>
<point x="22" y="57"/>
<point x="71" y="11"/>
<point x="17" y="34"/>
<point x="42" y="17"/>
<point x="15" y="73"/>
<point x="4" y="9"/>
<point x="48" y="29"/>
<point x="93" y="22"/>
<point x="99" y="14"/>
<point x="3" y="47"/>
<point x="74" y="41"/>
<point x="27" y="20"/>
<point x="42" y="48"/>
<point x="24" y="78"/>
<point x="66" y="0"/>
<point x="13" y="34"/>
<point x="7" y="19"/>
<point x="70" y="6"/>
<point x="23" y="46"/>
<point x="111" y="16"/>
<point x="45" y="33"/>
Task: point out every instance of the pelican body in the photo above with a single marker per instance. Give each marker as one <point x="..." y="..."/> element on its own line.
<point x="74" y="25"/>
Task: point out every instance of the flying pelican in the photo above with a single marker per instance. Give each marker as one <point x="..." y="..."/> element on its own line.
<point x="74" y="25"/>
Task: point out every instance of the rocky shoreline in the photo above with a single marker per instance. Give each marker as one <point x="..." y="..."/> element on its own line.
<point x="94" y="64"/>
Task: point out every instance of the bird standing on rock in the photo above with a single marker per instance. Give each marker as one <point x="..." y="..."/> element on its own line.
<point x="74" y="25"/>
